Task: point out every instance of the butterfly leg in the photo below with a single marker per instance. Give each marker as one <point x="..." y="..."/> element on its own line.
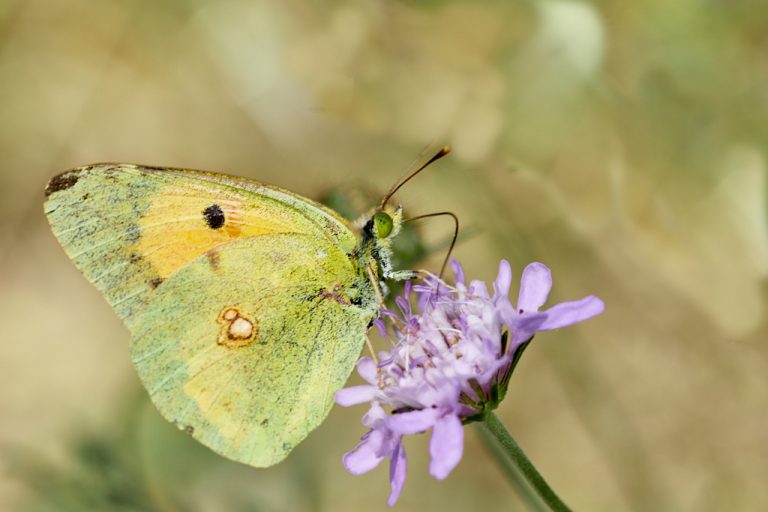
<point x="401" y="275"/>
<point x="375" y="283"/>
<point x="370" y="349"/>
<point x="383" y="254"/>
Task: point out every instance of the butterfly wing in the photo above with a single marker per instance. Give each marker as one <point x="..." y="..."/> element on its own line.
<point x="128" y="228"/>
<point x="246" y="354"/>
<point x="246" y="310"/>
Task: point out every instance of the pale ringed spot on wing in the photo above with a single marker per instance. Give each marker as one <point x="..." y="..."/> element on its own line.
<point x="237" y="329"/>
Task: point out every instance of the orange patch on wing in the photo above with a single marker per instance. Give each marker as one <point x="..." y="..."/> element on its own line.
<point x="173" y="231"/>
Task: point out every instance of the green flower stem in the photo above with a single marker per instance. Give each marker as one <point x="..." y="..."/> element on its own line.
<point x="518" y="467"/>
<point x="511" y="471"/>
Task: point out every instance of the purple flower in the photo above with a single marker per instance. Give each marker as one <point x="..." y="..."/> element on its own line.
<point x="449" y="364"/>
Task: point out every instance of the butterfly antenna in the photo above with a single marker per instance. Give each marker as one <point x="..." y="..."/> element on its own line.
<point x="455" y="233"/>
<point x="440" y="154"/>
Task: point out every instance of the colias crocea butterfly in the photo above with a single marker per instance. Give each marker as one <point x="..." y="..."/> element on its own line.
<point x="247" y="304"/>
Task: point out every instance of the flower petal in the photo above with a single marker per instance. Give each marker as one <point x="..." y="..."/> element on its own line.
<point x="375" y="416"/>
<point x="526" y="325"/>
<point x="535" y="284"/>
<point x="506" y="313"/>
<point x="568" y="313"/>
<point x="458" y="272"/>
<point x="367" y="370"/>
<point x="503" y="280"/>
<point x="413" y="422"/>
<point x="355" y="395"/>
<point x="363" y="458"/>
<point x="446" y="446"/>
<point x="478" y="288"/>
<point x="397" y="473"/>
<point x="381" y="327"/>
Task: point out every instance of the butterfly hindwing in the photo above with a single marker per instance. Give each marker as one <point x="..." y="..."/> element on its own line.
<point x="246" y="353"/>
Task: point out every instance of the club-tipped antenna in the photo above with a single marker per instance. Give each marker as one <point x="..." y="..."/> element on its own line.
<point x="440" y="154"/>
<point x="455" y="234"/>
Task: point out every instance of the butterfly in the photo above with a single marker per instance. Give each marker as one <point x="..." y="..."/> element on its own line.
<point x="248" y="305"/>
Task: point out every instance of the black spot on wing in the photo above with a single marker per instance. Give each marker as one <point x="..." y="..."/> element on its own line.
<point x="62" y="181"/>
<point x="214" y="216"/>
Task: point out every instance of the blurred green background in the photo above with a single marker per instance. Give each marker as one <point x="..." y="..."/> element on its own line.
<point x="621" y="143"/>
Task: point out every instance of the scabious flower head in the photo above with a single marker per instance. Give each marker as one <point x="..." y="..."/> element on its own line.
<point x="449" y="364"/>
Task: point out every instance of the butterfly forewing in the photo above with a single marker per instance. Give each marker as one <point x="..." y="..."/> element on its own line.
<point x="128" y="228"/>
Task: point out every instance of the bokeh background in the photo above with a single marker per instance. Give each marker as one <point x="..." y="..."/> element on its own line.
<point x="621" y="143"/>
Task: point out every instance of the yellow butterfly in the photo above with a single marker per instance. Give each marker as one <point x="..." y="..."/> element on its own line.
<point x="248" y="305"/>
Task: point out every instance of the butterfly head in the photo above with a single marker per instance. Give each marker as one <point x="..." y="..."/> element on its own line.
<point x="379" y="228"/>
<point x="386" y="223"/>
<point x="383" y="225"/>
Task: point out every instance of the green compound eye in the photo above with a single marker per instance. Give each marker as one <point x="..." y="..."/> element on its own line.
<point x="382" y="225"/>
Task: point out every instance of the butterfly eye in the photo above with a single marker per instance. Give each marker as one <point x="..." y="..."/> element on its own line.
<point x="382" y="224"/>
